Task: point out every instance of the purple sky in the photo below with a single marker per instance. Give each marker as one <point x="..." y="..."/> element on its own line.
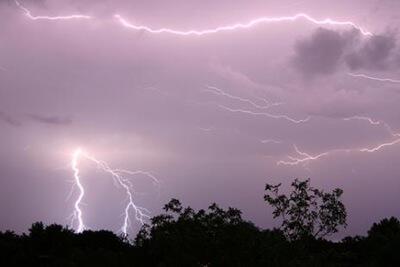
<point x="193" y="110"/>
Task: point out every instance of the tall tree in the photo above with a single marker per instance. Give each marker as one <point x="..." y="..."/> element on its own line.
<point x="307" y="211"/>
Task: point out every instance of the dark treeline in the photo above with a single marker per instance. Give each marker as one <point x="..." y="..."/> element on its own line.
<point x="217" y="237"/>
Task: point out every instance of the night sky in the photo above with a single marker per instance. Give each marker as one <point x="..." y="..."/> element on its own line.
<point x="212" y="114"/>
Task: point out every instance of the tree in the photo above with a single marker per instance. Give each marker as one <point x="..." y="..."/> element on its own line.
<point x="385" y="228"/>
<point x="307" y="211"/>
<point x="183" y="236"/>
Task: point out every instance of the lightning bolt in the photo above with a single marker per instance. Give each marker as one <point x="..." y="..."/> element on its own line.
<point x="375" y="122"/>
<point x="306" y="158"/>
<point x="265" y="114"/>
<point x="217" y="91"/>
<point x="32" y="17"/>
<point x="379" y="147"/>
<point x="238" y="26"/>
<point x="273" y="141"/>
<point x="141" y="214"/>
<point x="360" y="75"/>
<point x="78" y="212"/>
<point x="368" y="119"/>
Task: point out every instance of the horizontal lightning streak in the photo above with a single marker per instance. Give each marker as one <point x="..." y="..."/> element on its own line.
<point x="238" y="26"/>
<point x="368" y="119"/>
<point x="220" y="92"/>
<point x="272" y="116"/>
<point x="29" y="15"/>
<point x="379" y="147"/>
<point x="217" y="91"/>
<point x="374" y="122"/>
<point x="360" y="75"/>
<point x="307" y="157"/>
<point x="267" y="141"/>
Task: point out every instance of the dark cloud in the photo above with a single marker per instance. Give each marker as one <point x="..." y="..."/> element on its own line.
<point x="326" y="50"/>
<point x="7" y="118"/>
<point x="320" y="54"/>
<point x="55" y="120"/>
<point x="376" y="53"/>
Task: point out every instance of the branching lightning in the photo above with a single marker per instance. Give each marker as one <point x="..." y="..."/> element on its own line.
<point x="217" y="91"/>
<point x="360" y="75"/>
<point x="239" y="26"/>
<point x="32" y="17"/>
<point x="306" y="158"/>
<point x="141" y="214"/>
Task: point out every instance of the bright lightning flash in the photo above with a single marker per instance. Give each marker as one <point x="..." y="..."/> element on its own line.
<point x="78" y="212"/>
<point x="141" y="214"/>
<point x="239" y="26"/>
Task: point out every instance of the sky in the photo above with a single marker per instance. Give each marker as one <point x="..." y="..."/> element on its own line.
<point x="201" y="113"/>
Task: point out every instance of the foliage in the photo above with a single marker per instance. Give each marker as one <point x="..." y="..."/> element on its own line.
<point x="307" y="211"/>
<point x="182" y="236"/>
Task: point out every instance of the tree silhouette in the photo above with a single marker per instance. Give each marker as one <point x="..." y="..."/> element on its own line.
<point x="387" y="228"/>
<point x="182" y="236"/>
<point x="383" y="243"/>
<point x="307" y="211"/>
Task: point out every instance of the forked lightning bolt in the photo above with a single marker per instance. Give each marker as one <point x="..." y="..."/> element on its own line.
<point x="78" y="212"/>
<point x="117" y="174"/>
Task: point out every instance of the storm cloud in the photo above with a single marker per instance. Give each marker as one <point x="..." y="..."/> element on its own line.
<point x="327" y="51"/>
<point x="377" y="53"/>
<point x="322" y="53"/>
